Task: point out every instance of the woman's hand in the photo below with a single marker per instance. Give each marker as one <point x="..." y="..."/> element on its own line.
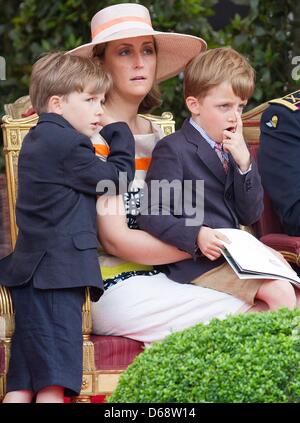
<point x="210" y="241"/>
<point x="106" y="119"/>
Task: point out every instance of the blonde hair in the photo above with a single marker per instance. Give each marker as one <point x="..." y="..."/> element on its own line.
<point x="215" y="66"/>
<point x="151" y="100"/>
<point x="61" y="74"/>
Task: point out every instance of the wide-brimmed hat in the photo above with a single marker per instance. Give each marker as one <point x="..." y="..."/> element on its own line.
<point x="129" y="20"/>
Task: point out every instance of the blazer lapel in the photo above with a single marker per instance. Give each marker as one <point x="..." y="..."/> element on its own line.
<point x="207" y="155"/>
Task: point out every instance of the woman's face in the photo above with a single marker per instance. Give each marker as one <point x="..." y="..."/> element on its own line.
<point x="132" y="65"/>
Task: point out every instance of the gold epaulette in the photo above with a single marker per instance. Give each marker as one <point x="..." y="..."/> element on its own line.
<point x="291" y="101"/>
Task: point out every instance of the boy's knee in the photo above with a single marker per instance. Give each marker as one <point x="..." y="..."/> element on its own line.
<point x="286" y="293"/>
<point x="281" y="294"/>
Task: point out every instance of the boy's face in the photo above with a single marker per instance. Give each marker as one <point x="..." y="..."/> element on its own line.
<point x="83" y="111"/>
<point x="216" y="111"/>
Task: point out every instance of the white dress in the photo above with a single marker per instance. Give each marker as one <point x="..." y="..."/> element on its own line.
<point x="148" y="308"/>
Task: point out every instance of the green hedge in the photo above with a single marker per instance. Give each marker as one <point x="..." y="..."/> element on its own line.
<point x="247" y="358"/>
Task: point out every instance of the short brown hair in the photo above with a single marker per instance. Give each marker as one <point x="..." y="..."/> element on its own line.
<point x="215" y="66"/>
<point x="152" y="99"/>
<point x="61" y="74"/>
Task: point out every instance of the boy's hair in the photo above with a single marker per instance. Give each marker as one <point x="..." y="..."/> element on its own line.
<point x="215" y="66"/>
<point x="61" y="74"/>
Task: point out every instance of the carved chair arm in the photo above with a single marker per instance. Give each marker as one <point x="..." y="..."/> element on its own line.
<point x="7" y="318"/>
<point x="87" y="315"/>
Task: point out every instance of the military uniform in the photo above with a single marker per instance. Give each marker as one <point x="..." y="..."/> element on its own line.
<point x="279" y="158"/>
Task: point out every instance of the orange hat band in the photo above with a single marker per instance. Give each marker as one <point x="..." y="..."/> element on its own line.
<point x="117" y="21"/>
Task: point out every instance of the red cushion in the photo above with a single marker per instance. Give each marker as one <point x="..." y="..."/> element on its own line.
<point x="30" y="111"/>
<point x="111" y="352"/>
<point x="115" y="352"/>
<point x="253" y="148"/>
<point x="95" y="399"/>
<point x="269" y="221"/>
<point x="2" y="359"/>
<point x="282" y="242"/>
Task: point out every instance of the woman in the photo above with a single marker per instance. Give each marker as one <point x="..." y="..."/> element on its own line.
<point x="139" y="302"/>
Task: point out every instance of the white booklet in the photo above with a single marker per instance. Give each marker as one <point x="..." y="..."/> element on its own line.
<point x="251" y="259"/>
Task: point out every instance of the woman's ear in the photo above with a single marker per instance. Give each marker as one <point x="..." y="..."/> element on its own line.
<point x="55" y="104"/>
<point x="192" y="103"/>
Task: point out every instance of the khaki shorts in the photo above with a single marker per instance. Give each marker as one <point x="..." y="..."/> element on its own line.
<point x="223" y="278"/>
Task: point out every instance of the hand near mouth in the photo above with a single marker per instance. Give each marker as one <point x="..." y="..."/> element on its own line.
<point x="234" y="143"/>
<point x="106" y="119"/>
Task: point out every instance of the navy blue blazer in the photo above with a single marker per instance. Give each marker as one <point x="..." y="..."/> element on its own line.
<point x="56" y="204"/>
<point x="279" y="161"/>
<point x="229" y="199"/>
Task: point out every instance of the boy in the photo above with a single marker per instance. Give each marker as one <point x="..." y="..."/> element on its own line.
<point x="210" y="147"/>
<point x="56" y="251"/>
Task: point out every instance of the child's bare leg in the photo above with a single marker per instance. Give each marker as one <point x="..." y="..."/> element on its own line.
<point x="258" y="307"/>
<point x="277" y="293"/>
<point x="18" y="396"/>
<point x="297" y="292"/>
<point x="51" y="394"/>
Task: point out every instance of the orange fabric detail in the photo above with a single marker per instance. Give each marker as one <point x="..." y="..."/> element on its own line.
<point x="116" y="21"/>
<point x="101" y="149"/>
<point x="142" y="163"/>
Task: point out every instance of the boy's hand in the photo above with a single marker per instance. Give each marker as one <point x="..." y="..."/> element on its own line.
<point x="105" y="119"/>
<point x="210" y="241"/>
<point x="234" y="143"/>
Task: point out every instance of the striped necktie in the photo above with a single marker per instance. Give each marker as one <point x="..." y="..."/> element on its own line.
<point x="220" y="152"/>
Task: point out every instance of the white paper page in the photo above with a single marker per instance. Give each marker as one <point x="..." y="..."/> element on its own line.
<point x="253" y="255"/>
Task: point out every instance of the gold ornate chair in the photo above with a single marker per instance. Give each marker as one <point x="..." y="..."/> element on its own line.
<point x="104" y="357"/>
